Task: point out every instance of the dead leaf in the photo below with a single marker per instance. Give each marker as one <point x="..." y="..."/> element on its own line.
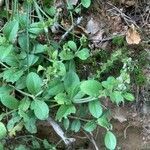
<point x="132" y="36"/>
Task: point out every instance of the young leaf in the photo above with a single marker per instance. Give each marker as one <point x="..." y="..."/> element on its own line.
<point x="91" y="87"/>
<point x="95" y="108"/>
<point x="72" y="45"/>
<point x="75" y="126"/>
<point x="41" y="109"/>
<point x="90" y="126"/>
<point x="9" y="101"/>
<point x="3" y="130"/>
<point x="110" y="140"/>
<point x="86" y="3"/>
<point x="128" y="96"/>
<point x="11" y="29"/>
<point x="83" y="54"/>
<point x="64" y="111"/>
<point x="33" y="82"/>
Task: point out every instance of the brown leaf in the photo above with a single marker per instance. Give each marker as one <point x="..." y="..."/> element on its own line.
<point x="132" y="36"/>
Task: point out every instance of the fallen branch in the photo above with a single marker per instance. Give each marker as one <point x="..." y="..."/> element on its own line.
<point x="60" y="132"/>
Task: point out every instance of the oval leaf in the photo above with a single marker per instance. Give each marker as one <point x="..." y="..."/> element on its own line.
<point x="33" y="82"/>
<point x="3" y="130"/>
<point x="95" y="108"/>
<point x="9" y="101"/>
<point x="110" y="140"/>
<point x="91" y="87"/>
<point x="41" y="109"/>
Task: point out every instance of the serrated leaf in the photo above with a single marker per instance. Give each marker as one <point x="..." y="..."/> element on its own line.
<point x="3" y="130"/>
<point x="110" y="140"/>
<point x="90" y="126"/>
<point x="10" y="30"/>
<point x="41" y="109"/>
<point x="33" y="82"/>
<point x="128" y="96"/>
<point x="91" y="87"/>
<point x="95" y="108"/>
<point x="64" y="111"/>
<point x="83" y="54"/>
<point x="10" y="101"/>
<point x="75" y="126"/>
<point x="86" y="3"/>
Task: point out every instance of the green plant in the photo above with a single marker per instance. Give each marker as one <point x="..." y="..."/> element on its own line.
<point x="37" y="79"/>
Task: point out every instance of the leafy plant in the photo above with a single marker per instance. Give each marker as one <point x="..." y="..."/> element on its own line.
<point x="40" y="78"/>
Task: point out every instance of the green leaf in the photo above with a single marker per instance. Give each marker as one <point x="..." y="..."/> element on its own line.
<point x="110" y="140"/>
<point x="32" y="59"/>
<point x="66" y="123"/>
<point x="10" y="30"/>
<point x="86" y="3"/>
<point x="128" y="96"/>
<point x="64" y="111"/>
<point x="41" y="109"/>
<point x="9" y="101"/>
<point x="3" y="130"/>
<point x="66" y="55"/>
<point x="36" y="28"/>
<point x="71" y="81"/>
<point x="91" y="87"/>
<point x="11" y="123"/>
<point x="39" y="48"/>
<point x="24" y="104"/>
<point x="55" y="87"/>
<point x="110" y="83"/>
<point x="75" y="126"/>
<point x="95" y="108"/>
<point x="51" y="11"/>
<point x="116" y="97"/>
<point x="72" y="45"/>
<point x="12" y="75"/>
<point x="62" y="98"/>
<point x="90" y="126"/>
<point x="103" y="122"/>
<point x="30" y="125"/>
<point x="83" y="54"/>
<point x="4" y="51"/>
<point x="33" y="82"/>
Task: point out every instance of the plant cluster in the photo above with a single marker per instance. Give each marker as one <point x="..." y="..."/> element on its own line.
<point x="39" y="80"/>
